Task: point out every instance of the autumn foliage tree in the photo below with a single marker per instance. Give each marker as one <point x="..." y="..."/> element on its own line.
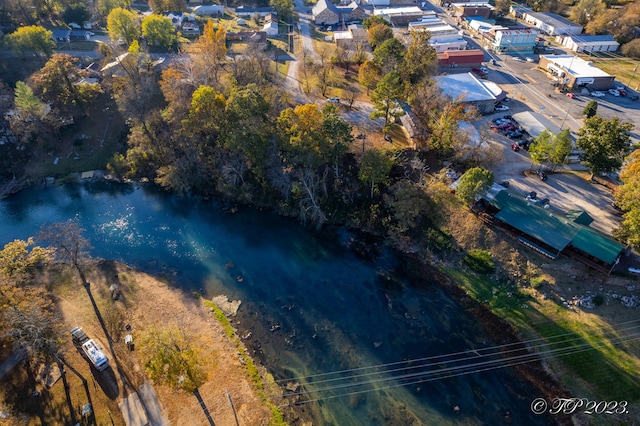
<point x="159" y="30"/>
<point x="59" y="84"/>
<point x="123" y="25"/>
<point x="32" y="38"/>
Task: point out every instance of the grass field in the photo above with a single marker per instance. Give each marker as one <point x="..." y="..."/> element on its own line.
<point x="621" y="68"/>
<point x="593" y="357"/>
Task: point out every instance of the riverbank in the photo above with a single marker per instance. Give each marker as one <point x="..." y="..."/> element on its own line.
<point x="145" y="302"/>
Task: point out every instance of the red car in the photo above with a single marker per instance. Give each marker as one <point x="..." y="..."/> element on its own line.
<point x="515" y="147"/>
<point x="571" y="95"/>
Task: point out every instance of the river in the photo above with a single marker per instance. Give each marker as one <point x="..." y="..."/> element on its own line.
<point x="310" y="307"/>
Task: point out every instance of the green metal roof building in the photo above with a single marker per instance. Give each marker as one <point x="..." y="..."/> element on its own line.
<point x="551" y="234"/>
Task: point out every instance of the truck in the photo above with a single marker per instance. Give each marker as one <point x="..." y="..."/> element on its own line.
<point x="95" y="355"/>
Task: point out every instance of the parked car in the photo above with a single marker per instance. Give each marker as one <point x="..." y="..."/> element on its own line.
<point x="614" y="92"/>
<point x="524" y="144"/>
<point x="597" y="94"/>
<point x="530" y="60"/>
<point x="571" y="95"/>
<point x="515" y="147"/>
<point x="501" y="108"/>
<point x="516" y="134"/>
<point x="334" y="100"/>
<point x="507" y="117"/>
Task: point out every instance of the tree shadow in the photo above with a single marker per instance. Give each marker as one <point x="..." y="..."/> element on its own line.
<point x="204" y="407"/>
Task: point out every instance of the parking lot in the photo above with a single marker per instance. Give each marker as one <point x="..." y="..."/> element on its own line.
<point x="531" y="87"/>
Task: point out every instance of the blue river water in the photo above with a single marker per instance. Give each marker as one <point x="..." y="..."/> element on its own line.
<point x="309" y="305"/>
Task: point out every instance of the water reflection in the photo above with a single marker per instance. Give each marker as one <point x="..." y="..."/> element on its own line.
<point x="310" y="305"/>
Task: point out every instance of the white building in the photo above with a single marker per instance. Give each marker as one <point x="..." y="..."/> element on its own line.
<point x="587" y="43"/>
<point x="444" y="44"/>
<point x="209" y="10"/>
<point x="467" y="88"/>
<point x="552" y="24"/>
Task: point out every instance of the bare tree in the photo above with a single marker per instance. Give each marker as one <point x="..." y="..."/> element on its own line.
<point x="69" y="243"/>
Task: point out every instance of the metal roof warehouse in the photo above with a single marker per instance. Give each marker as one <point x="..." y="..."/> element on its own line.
<point x="551" y="234"/>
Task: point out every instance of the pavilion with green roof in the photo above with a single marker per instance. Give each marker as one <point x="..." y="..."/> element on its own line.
<point x="551" y="234"/>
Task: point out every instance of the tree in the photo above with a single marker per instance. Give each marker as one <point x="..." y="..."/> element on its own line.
<point x="284" y="8"/>
<point x="420" y="61"/>
<point x="628" y="199"/>
<point x="32" y="38"/>
<point x="209" y="55"/>
<point x="27" y="103"/>
<point x="378" y="33"/>
<point x="473" y="183"/>
<point x="135" y="89"/>
<point x="591" y="109"/>
<point x="122" y="25"/>
<point x="70" y="245"/>
<point x="385" y="98"/>
<point x="632" y="49"/>
<point x="443" y="124"/>
<point x="605" y="143"/>
<point x="19" y="261"/>
<point x="502" y="7"/>
<point x="374" y="168"/>
<point x="561" y="149"/>
<point x="35" y="329"/>
<point x="58" y="83"/>
<point x="585" y="10"/>
<point x="388" y="56"/>
<point x="350" y="93"/>
<point x="76" y="13"/>
<point x="171" y="356"/>
<point x="161" y="6"/>
<point x="159" y="30"/>
<point x="408" y="203"/>
<point x="602" y="23"/>
<point x="369" y="75"/>
<point x="375" y="19"/>
<point x="104" y="7"/>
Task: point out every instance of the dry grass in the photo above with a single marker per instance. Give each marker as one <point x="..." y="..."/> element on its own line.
<point x="144" y="302"/>
<point x="621" y="68"/>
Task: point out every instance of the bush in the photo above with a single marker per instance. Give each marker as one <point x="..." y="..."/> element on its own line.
<point x="480" y="261"/>
<point x="598" y="300"/>
<point x="537" y="282"/>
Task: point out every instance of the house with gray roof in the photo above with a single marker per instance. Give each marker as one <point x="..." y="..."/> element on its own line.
<point x="326" y="13"/>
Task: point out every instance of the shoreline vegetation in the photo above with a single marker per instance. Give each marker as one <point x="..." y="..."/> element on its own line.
<point x="239" y="134"/>
<point x="505" y="321"/>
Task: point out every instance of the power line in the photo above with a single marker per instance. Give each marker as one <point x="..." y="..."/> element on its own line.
<point x="453" y="371"/>
<point x="459" y="371"/>
<point x="436" y="357"/>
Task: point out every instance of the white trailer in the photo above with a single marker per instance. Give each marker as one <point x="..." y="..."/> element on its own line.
<point x="95" y="354"/>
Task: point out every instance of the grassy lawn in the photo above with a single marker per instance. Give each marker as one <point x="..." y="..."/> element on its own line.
<point x="598" y="361"/>
<point x="621" y="68"/>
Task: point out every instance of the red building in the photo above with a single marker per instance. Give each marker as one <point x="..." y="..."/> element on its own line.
<point x="461" y="58"/>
